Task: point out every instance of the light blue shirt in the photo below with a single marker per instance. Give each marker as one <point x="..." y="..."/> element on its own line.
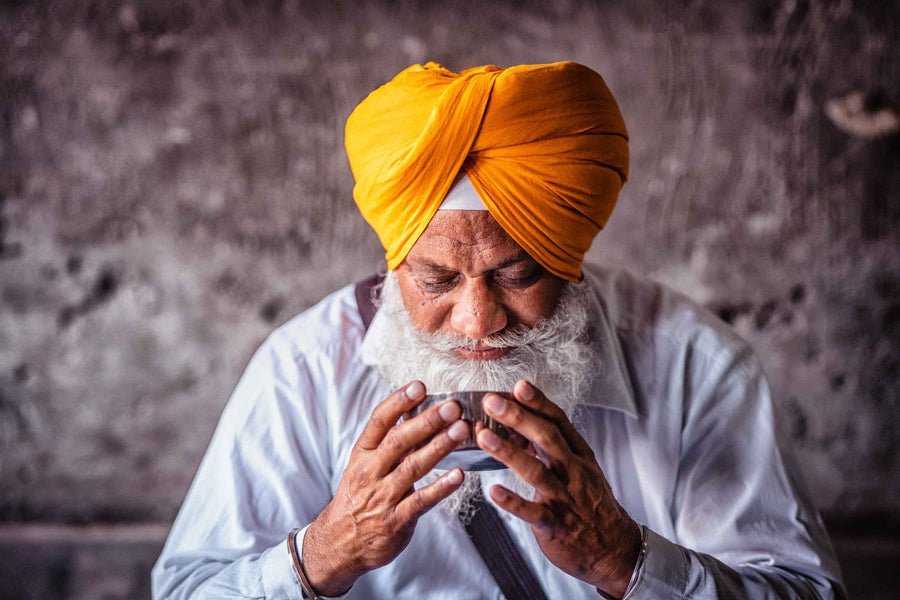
<point x="680" y="420"/>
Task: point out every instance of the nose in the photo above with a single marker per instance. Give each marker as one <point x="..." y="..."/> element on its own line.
<point x="477" y="314"/>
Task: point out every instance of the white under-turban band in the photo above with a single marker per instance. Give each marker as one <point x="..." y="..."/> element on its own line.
<point x="462" y="196"/>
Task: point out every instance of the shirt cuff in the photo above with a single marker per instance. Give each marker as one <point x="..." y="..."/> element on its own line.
<point x="637" y="568"/>
<point x="278" y="577"/>
<point x="663" y="573"/>
<point x="277" y="572"/>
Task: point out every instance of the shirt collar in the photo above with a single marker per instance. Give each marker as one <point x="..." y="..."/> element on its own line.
<point x="612" y="387"/>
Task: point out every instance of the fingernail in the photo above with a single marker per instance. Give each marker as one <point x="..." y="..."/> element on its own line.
<point x="449" y="411"/>
<point x="458" y="431"/>
<point x="455" y="477"/>
<point x="414" y="390"/>
<point x="495" y="404"/>
<point x="498" y="494"/>
<point x="526" y="391"/>
<point x="489" y="439"/>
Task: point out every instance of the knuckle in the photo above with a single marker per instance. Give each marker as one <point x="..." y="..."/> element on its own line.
<point x="570" y="521"/>
<point x="550" y="527"/>
<point x="544" y="438"/>
<point x="536" y="471"/>
<point x="378" y="416"/>
<point x="422" y="501"/>
<point x="515" y="414"/>
<point x="411" y="466"/>
<point x="513" y="502"/>
<point x="391" y="522"/>
<point x="360" y="479"/>
<point x="440" y="445"/>
<point x="555" y="438"/>
<point x="394" y="440"/>
<point x="417" y="505"/>
<point x="547" y="478"/>
<point x="382" y="497"/>
<point x="357" y="468"/>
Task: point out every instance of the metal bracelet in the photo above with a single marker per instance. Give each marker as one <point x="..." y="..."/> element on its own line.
<point x="297" y="561"/>
<point x="637" y="568"/>
<point x="640" y="561"/>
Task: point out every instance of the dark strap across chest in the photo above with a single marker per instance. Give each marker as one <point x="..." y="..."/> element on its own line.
<point x="501" y="555"/>
<point x="367" y="292"/>
<point x="486" y="529"/>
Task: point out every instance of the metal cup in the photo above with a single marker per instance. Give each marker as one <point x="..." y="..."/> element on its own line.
<point x="468" y="456"/>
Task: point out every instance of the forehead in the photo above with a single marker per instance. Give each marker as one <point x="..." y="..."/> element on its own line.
<point x="465" y="240"/>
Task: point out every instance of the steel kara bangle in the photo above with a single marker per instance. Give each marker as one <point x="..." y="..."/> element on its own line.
<point x="637" y="567"/>
<point x="297" y="561"/>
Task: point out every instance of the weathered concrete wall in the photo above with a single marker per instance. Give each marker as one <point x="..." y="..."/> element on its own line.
<point x="173" y="186"/>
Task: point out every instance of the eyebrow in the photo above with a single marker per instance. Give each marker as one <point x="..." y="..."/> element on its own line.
<point x="521" y="256"/>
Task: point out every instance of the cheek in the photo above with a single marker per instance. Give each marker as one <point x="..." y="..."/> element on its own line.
<point x="535" y="305"/>
<point x="525" y="313"/>
<point x="428" y="316"/>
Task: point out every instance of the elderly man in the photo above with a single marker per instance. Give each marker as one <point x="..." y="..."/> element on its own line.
<point x="649" y="467"/>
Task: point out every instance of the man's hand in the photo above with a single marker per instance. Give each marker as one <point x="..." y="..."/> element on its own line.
<point x="372" y="516"/>
<point x="577" y="522"/>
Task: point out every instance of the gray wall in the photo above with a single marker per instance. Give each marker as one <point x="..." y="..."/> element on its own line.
<point x="174" y="186"/>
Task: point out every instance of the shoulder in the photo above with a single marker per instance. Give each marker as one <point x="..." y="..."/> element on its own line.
<point x="639" y="308"/>
<point x="303" y="360"/>
<point x="303" y="352"/>
<point x="331" y="325"/>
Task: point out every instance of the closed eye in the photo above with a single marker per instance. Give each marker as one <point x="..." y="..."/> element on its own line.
<point x="519" y="278"/>
<point x="437" y="283"/>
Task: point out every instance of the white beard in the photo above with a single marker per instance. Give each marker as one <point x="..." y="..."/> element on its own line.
<point x="556" y="355"/>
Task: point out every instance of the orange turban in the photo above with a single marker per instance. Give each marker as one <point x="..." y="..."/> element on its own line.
<point x="544" y="146"/>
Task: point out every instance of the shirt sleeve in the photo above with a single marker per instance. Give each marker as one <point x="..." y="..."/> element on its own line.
<point x="265" y="472"/>
<point x="743" y="525"/>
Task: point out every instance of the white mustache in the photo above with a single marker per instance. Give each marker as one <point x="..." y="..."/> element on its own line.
<point x="520" y="335"/>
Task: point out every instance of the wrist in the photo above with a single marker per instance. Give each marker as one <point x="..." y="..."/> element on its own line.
<point x="326" y="567"/>
<point x="620" y="569"/>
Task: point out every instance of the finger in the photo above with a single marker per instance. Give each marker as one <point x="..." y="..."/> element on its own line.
<point x="533" y="513"/>
<point x="416" y="464"/>
<point x="533" y="398"/>
<point x="525" y="465"/>
<point x="388" y="412"/>
<point x="422" y="500"/>
<point x="542" y="432"/>
<point x="407" y="435"/>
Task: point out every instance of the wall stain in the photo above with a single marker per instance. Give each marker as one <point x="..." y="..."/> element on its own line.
<point x="103" y="289"/>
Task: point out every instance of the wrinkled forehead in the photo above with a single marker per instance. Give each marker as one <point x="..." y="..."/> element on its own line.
<point x="463" y="235"/>
<point x="465" y="240"/>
